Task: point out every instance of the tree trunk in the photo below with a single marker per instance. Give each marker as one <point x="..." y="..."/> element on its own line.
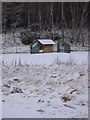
<point x="14" y="29"/>
<point x="31" y="49"/>
<point x="52" y="19"/>
<point x="14" y="38"/>
<point x="58" y="46"/>
<point x="15" y="26"/>
<point x="28" y="17"/>
<point x="62" y="24"/>
<point x="40" y="20"/>
<point x="73" y="20"/>
<point x="82" y="38"/>
<point x="57" y="14"/>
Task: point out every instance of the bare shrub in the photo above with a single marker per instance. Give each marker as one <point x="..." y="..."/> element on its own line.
<point x="66" y="98"/>
<point x="70" y="62"/>
<point x="57" y="61"/>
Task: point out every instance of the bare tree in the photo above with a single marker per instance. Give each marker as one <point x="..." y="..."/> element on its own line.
<point x="81" y="25"/>
<point x="58" y="13"/>
<point x="72" y="8"/>
<point x="40" y="20"/>
<point x="62" y="24"/>
<point x="52" y="23"/>
<point x="28" y="16"/>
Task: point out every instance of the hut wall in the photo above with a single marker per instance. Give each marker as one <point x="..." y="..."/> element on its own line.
<point x="48" y="48"/>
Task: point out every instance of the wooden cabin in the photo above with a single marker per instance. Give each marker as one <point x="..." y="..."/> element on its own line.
<point x="48" y="46"/>
<point x="45" y="45"/>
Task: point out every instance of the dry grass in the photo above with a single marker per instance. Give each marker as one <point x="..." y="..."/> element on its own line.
<point x="66" y="98"/>
<point x="37" y="82"/>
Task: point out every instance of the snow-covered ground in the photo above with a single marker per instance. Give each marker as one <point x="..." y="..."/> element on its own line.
<point x="45" y="85"/>
<point x="79" y="58"/>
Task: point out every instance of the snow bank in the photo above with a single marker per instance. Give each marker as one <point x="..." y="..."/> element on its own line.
<point x="79" y="58"/>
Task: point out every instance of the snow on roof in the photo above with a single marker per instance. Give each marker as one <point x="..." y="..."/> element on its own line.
<point x="46" y="41"/>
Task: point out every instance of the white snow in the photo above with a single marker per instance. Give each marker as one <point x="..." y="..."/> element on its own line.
<point x="19" y="49"/>
<point x="79" y="58"/>
<point x="46" y="41"/>
<point x="45" y="79"/>
<point x="0" y="76"/>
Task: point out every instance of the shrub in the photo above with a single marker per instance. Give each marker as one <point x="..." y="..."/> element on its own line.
<point x="25" y="39"/>
<point x="66" y="47"/>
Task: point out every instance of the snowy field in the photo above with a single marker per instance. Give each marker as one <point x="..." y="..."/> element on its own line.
<point x="79" y="58"/>
<point x="45" y="85"/>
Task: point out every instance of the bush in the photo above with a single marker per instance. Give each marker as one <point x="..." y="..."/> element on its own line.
<point x="66" y="47"/>
<point x="26" y="39"/>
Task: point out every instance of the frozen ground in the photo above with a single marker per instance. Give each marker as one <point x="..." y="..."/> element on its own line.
<point x="57" y="89"/>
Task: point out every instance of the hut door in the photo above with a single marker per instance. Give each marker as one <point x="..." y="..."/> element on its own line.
<point x="41" y="48"/>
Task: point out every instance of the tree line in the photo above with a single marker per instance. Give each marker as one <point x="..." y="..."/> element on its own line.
<point x="41" y="15"/>
<point x="51" y="16"/>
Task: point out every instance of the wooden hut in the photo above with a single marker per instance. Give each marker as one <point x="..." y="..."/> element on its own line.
<point x="45" y="45"/>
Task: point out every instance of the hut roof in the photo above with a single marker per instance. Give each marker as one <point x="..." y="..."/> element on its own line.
<point x="46" y="41"/>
